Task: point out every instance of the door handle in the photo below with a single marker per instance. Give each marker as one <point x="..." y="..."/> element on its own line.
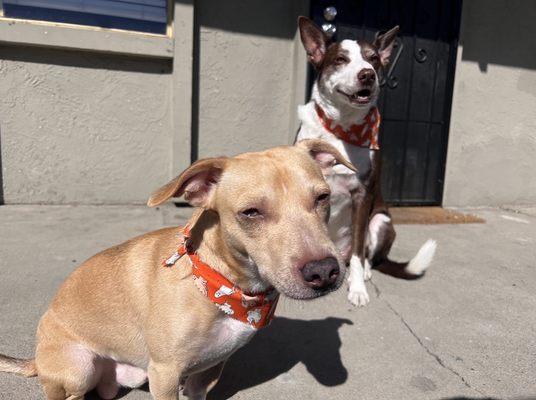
<point x="329" y="29"/>
<point x="330" y="13"/>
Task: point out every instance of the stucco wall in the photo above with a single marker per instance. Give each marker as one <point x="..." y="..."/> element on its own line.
<point x="249" y="65"/>
<point x="89" y="128"/>
<point x="492" y="143"/>
<point x="82" y="127"/>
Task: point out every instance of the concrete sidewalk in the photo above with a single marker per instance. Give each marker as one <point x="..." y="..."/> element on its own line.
<point x="466" y="330"/>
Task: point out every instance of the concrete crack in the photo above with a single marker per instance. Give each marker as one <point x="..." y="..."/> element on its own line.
<point x="516" y="211"/>
<point x="421" y="343"/>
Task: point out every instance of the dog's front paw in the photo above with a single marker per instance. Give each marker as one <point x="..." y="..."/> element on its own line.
<point x="358" y="298"/>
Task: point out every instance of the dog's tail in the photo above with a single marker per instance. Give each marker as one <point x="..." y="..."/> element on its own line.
<point x="414" y="268"/>
<point x="18" y="366"/>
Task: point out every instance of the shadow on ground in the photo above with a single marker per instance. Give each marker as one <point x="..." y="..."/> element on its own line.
<point x="486" y="398"/>
<point x="471" y="398"/>
<point x="122" y="393"/>
<point x="276" y="350"/>
<point x="280" y="347"/>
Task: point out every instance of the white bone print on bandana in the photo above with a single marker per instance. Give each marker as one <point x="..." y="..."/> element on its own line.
<point x="256" y="311"/>
<point x="254" y="316"/>
<point x="226" y="308"/>
<point x="172" y="260"/>
<point x="224" y="291"/>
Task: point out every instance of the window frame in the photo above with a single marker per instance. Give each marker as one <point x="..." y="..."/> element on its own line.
<point x="31" y="32"/>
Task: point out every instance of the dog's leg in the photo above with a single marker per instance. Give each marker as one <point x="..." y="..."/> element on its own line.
<point x="381" y="235"/>
<point x="67" y="370"/>
<point x="53" y="390"/>
<point x="198" y="385"/>
<point x="357" y="292"/>
<point x="361" y="204"/>
<point x="164" y="380"/>
<point x="108" y="387"/>
<point x="367" y="270"/>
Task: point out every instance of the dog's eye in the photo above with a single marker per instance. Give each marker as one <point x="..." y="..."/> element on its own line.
<point x="340" y="60"/>
<point x="251" y="213"/>
<point x="322" y="198"/>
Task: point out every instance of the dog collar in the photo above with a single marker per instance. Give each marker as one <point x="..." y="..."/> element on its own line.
<point x="363" y="135"/>
<point x="255" y="310"/>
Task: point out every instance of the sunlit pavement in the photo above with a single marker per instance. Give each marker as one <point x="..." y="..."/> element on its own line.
<point x="467" y="330"/>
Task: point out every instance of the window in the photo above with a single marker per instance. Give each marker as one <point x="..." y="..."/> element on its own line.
<point x="137" y="15"/>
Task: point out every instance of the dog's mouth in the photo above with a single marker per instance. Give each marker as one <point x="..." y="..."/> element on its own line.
<point x="310" y="294"/>
<point x="296" y="289"/>
<point x="362" y="96"/>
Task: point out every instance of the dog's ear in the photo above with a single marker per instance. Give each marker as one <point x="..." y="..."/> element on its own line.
<point x="325" y="155"/>
<point x="196" y="183"/>
<point x="384" y="43"/>
<point x="313" y="39"/>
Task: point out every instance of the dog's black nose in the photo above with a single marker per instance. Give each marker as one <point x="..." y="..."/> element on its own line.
<point x="320" y="274"/>
<point x="366" y="76"/>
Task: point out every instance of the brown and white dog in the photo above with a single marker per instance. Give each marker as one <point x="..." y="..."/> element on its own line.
<point x="140" y="309"/>
<point x="342" y="111"/>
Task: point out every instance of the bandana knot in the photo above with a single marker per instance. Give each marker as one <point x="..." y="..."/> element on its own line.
<point x="256" y="310"/>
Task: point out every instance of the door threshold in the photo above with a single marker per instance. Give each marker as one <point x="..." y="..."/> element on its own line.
<point x="431" y="215"/>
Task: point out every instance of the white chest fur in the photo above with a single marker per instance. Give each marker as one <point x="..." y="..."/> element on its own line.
<point x="226" y="336"/>
<point x="342" y="182"/>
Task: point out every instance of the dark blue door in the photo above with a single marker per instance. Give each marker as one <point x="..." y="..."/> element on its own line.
<point x="417" y="91"/>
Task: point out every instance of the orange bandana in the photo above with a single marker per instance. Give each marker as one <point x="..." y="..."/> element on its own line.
<point x="255" y="310"/>
<point x="364" y="135"/>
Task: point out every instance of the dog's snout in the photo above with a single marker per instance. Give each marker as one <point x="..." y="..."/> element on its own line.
<point x="366" y="76"/>
<point x="321" y="274"/>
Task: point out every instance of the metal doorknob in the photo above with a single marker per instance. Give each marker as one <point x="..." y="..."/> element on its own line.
<point x="330" y="13"/>
<point x="329" y="29"/>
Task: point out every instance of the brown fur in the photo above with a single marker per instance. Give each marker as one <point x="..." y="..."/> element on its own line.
<point x="370" y="53"/>
<point x="367" y="200"/>
<point x="335" y="57"/>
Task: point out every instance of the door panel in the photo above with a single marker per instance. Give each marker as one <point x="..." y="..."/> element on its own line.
<point x="416" y="96"/>
<point x="394" y="145"/>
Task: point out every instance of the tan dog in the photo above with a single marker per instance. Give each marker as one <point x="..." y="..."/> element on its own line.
<point x="122" y="317"/>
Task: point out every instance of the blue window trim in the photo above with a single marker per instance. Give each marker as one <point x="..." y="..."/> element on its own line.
<point x="149" y="16"/>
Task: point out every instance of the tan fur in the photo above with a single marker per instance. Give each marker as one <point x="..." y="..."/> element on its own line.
<point x="122" y="306"/>
<point x="18" y="366"/>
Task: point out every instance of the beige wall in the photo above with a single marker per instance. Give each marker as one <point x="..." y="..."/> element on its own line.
<point x="86" y="127"/>
<point x="492" y="142"/>
<point x="83" y="127"/>
<point x="248" y="72"/>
